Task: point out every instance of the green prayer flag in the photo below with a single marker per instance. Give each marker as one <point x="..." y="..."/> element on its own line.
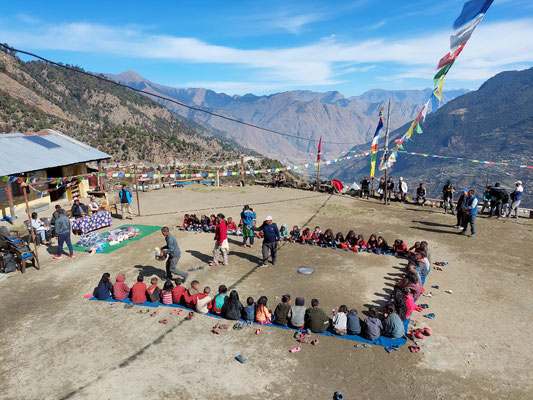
<point x="418" y="129"/>
<point x="443" y="71"/>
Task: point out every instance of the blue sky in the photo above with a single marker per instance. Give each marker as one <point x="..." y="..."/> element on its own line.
<point x="264" y="47"/>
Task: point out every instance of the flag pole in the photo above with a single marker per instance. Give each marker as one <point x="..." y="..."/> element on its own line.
<point x="318" y="158"/>
<point x="318" y="177"/>
<point x="385" y="192"/>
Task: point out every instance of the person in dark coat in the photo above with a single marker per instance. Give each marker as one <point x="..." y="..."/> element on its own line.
<point x="232" y="308"/>
<point x="78" y="209"/>
<point x="460" y="209"/>
<point x="271" y="241"/>
<point x="104" y="290"/>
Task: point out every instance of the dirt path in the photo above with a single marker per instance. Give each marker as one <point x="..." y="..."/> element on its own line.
<point x="55" y="344"/>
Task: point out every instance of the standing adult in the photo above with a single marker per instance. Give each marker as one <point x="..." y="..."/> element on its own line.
<point x="486" y="200"/>
<point x="516" y="196"/>
<point x="496" y="200"/>
<point x="470" y="208"/>
<point x="125" y="201"/>
<point x="271" y="242"/>
<point x="402" y="189"/>
<point x="172" y="250"/>
<point x="460" y="209"/>
<point x="247" y="218"/>
<point x="381" y="188"/>
<point x="221" y="241"/>
<point x="365" y="187"/>
<point x="420" y="194"/>
<point x="62" y="228"/>
<point x="447" y="198"/>
<point x="390" y="188"/>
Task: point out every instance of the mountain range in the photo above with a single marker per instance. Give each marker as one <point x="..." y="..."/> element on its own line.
<point x="493" y="123"/>
<point x="340" y="121"/>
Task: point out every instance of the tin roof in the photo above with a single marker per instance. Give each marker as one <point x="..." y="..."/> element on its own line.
<point x="26" y="152"/>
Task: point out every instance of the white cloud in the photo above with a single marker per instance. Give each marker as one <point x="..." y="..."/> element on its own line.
<point x="492" y="48"/>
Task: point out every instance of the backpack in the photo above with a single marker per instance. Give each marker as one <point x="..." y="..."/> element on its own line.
<point x="7" y="263"/>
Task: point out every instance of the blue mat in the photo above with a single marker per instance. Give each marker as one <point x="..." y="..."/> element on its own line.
<point x="381" y="341"/>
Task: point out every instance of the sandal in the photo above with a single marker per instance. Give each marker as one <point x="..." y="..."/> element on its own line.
<point x="414" y="349"/>
<point x="163" y="321"/>
<point x="294" y="350"/>
<point x="430" y="315"/>
<point x="180" y="312"/>
<point x="426" y="331"/>
<point x="153" y="314"/>
<point x="238" y="326"/>
<point x="258" y="331"/>
<point x="128" y="306"/>
<point x="314" y="341"/>
<point x="241" y="359"/>
<point x="188" y="317"/>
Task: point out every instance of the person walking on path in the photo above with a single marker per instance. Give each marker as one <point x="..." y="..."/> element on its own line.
<point x="172" y="250"/>
<point x="62" y="228"/>
<point x="447" y="198"/>
<point x="470" y="209"/>
<point x="271" y="241"/>
<point x="221" y="241"/>
<point x="247" y="217"/>
<point x="516" y="197"/>
<point x="125" y="201"/>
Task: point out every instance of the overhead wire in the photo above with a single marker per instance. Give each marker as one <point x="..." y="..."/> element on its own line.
<point x="199" y="109"/>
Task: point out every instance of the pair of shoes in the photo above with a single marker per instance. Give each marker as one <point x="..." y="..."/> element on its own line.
<point x="263" y="265"/>
<point x="57" y="257"/>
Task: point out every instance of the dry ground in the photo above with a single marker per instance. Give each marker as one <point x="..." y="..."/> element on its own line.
<point x="54" y="344"/>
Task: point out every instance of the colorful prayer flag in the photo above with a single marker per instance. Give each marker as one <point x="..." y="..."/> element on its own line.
<point x="436" y="96"/>
<point x="374" y="147"/>
<point x="319" y="149"/>
<point x="462" y="35"/>
<point x="471" y="9"/>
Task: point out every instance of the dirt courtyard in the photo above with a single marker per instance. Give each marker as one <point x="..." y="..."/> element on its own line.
<point x="55" y="344"/>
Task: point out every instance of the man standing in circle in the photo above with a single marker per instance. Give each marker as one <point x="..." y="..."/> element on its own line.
<point x="271" y="242"/>
<point x="172" y="250"/>
<point x="221" y="241"/>
<point x="125" y="201"/>
<point x="461" y="216"/>
<point x="365" y="188"/>
<point x="247" y="217"/>
<point x="470" y="209"/>
<point x="447" y="198"/>
<point x="62" y="227"/>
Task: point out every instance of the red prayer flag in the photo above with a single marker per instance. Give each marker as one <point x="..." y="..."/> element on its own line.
<point x="448" y="58"/>
<point x="319" y="149"/>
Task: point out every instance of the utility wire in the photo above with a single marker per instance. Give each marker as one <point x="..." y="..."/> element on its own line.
<point x="5" y="46"/>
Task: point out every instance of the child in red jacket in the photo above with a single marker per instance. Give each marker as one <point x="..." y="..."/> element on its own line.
<point x="138" y="291"/>
<point x="177" y="291"/>
<point x="190" y="296"/>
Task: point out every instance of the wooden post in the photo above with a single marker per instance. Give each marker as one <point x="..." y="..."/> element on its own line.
<point x="385" y="192"/>
<point x="137" y="190"/>
<point x="9" y="195"/>
<point x="318" y="178"/>
<point x="242" y="171"/>
<point x="25" y="188"/>
<point x="218" y="178"/>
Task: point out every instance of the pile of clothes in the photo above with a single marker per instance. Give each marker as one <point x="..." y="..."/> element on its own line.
<point x="92" y="241"/>
<point x="115" y="236"/>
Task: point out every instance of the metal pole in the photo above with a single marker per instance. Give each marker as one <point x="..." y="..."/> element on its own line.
<point x="385" y="192"/>
<point x="137" y="190"/>
<point x="25" y="188"/>
<point x="242" y="171"/>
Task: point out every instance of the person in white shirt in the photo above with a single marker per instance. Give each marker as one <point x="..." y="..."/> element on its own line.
<point x="402" y="189"/>
<point x="40" y="227"/>
<point x="93" y="205"/>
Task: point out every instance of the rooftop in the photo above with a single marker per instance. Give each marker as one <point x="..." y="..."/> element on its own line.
<point x="26" y="152"/>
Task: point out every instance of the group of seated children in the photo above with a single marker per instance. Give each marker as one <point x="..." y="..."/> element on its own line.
<point x="375" y="244"/>
<point x="297" y="316"/>
<point x="191" y="223"/>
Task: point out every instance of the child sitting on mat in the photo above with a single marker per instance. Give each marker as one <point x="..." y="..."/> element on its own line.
<point x="203" y="302"/>
<point x="372" y="243"/>
<point x="316" y="236"/>
<point x="383" y="246"/>
<point x="351" y="241"/>
<point x="190" y="296"/>
<point x="138" y="291"/>
<point x="153" y="293"/>
<point x="340" y="320"/>
<point x="327" y="240"/>
<point x="120" y="289"/>
<point x="105" y="288"/>
<point x="297" y="319"/>
<point x="177" y="291"/>
<point x="353" y="323"/>
<point x="399" y="247"/>
<point x="282" y="313"/>
<point x="361" y="243"/>
<point x="283" y="232"/>
<point x="166" y="293"/>
<point x="219" y="300"/>
<point x="232" y="226"/>
<point x="373" y="324"/>
<point x="340" y="243"/>
<point x="262" y="313"/>
<point x="305" y="238"/>
<point x="294" y="234"/>
<point x="248" y="313"/>
<point x="185" y="223"/>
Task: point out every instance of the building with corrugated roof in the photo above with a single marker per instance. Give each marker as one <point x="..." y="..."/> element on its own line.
<point x="43" y="154"/>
